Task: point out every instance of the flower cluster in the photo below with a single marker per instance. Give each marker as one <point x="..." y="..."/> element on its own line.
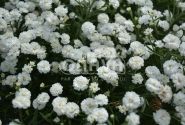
<point x="92" y="62"/>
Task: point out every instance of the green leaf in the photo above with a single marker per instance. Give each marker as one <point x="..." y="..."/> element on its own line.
<point x="34" y="120"/>
<point x="109" y="122"/>
<point x="144" y="106"/>
<point x="46" y="117"/>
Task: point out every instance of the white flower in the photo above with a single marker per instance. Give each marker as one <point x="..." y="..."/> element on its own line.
<point x="171" y="67"/>
<point x="15" y="122"/>
<point x="15" y="14"/>
<point x="45" y="4"/>
<point x="105" y="52"/>
<point x="122" y="109"/>
<point x="74" y="2"/>
<point x="159" y="43"/>
<point x="101" y="124"/>
<point x="88" y="105"/>
<point x="178" y="80"/>
<point x="106" y="29"/>
<point x="119" y="19"/>
<point x="9" y="65"/>
<point x="115" y="65"/>
<point x="61" y="10"/>
<point x="176" y="27"/>
<point x="3" y="25"/>
<point x="77" y="43"/>
<point x="80" y="83"/>
<point x="101" y="99"/>
<point x="72" y="15"/>
<point x="139" y="2"/>
<point x="124" y="38"/>
<point x="182" y="26"/>
<point x="22" y="99"/>
<point x="114" y="3"/>
<point x="179" y="99"/>
<point x="36" y="105"/>
<point x="183" y="38"/>
<point x="55" y="67"/>
<point x="137" y="78"/>
<point x="56" y="119"/>
<point x="93" y="87"/>
<point x="25" y="7"/>
<point x="66" y="50"/>
<point x="43" y="98"/>
<point x="139" y="49"/>
<point x="153" y="85"/>
<point x="41" y="101"/>
<point x="63" y="66"/>
<point x="182" y="49"/>
<point x="99" y="4"/>
<point x="152" y="72"/>
<point x="65" y="38"/>
<point x="59" y="104"/>
<point x="75" y="68"/>
<point x="145" y="19"/>
<point x="103" y="18"/>
<point x="8" y="44"/>
<point x="99" y="115"/>
<point x="91" y="58"/>
<point x="21" y="102"/>
<point x="162" y="117"/>
<point x="88" y="28"/>
<point x="52" y="19"/>
<point x="136" y="62"/>
<point x="56" y="89"/>
<point x="131" y="100"/>
<point x="24" y="78"/>
<point x="165" y="94"/>
<point x="41" y="54"/>
<point x="94" y="45"/>
<point x="148" y="31"/>
<point x="10" y="80"/>
<point x="85" y="49"/>
<point x="180" y="113"/>
<point x="43" y="66"/>
<point x="23" y="92"/>
<point x="129" y="25"/>
<point x="132" y="119"/>
<point x="76" y="54"/>
<point x="27" y="36"/>
<point x="28" y="68"/>
<point x="164" y="24"/>
<point x="108" y="75"/>
<point x="180" y="34"/>
<point x="164" y="79"/>
<point x="71" y="110"/>
<point x="56" y="46"/>
<point x="171" y="41"/>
